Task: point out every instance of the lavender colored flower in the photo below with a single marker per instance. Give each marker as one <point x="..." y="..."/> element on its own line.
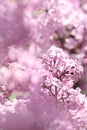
<point x="43" y="65"/>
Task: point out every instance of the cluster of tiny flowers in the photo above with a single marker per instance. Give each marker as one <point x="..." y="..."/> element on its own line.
<point x="43" y="65"/>
<point x="61" y="70"/>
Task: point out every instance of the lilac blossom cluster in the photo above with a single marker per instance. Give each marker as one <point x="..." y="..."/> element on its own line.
<point x="43" y="65"/>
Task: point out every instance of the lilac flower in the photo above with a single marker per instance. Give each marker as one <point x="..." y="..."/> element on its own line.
<point x="43" y="51"/>
<point x="61" y="66"/>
